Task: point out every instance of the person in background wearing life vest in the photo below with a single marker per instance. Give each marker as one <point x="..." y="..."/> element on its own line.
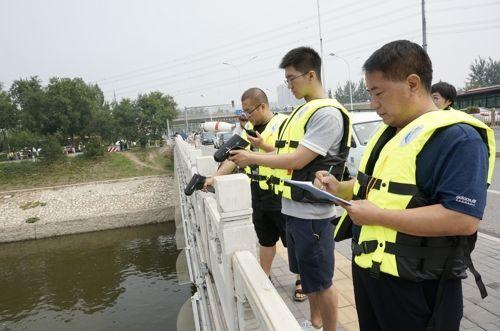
<point x="443" y="95"/>
<point x="268" y="221"/>
<point x="414" y="215"/>
<point x="316" y="136"/>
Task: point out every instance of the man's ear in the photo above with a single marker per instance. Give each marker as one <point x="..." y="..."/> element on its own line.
<point x="414" y="83"/>
<point x="312" y="75"/>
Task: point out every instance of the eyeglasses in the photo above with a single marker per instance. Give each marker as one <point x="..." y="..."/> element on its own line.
<point x="249" y="113"/>
<point x="289" y="80"/>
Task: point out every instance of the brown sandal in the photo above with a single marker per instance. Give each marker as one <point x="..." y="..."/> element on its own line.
<point x="298" y="295"/>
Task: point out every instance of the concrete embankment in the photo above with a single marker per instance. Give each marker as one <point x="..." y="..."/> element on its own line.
<point x="48" y="212"/>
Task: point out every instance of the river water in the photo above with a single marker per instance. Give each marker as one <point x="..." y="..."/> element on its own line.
<point x="122" y="279"/>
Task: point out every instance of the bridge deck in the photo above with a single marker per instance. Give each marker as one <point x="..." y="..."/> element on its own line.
<point x="478" y="314"/>
<point x="284" y="281"/>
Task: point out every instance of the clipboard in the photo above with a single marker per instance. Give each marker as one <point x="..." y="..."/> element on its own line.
<point x="316" y="192"/>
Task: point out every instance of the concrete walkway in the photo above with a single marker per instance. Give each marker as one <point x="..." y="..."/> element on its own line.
<point x="478" y="314"/>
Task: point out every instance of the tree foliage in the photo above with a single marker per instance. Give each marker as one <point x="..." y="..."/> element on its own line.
<point x="7" y="118"/>
<point x="51" y="150"/>
<point x="145" y="118"/>
<point x="483" y="72"/>
<point x="359" y="92"/>
<point x="75" y="110"/>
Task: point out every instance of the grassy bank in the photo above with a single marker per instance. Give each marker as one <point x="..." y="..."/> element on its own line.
<point x="79" y="169"/>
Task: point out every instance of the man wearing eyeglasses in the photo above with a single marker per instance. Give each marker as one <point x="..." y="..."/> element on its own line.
<point x="316" y="136"/>
<point x="268" y="221"/>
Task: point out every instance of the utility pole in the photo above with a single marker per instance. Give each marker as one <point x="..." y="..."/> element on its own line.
<point x="424" y="27"/>
<point x="186" y="118"/>
<point x="321" y="50"/>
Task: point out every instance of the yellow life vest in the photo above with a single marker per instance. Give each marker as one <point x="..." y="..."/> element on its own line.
<point x="392" y="185"/>
<point x="261" y="174"/>
<point x="291" y="133"/>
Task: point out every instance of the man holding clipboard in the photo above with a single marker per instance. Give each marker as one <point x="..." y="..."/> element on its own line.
<point x="415" y="214"/>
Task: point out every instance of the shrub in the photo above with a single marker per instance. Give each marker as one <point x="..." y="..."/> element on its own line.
<point x="52" y="150"/>
<point x="94" y="148"/>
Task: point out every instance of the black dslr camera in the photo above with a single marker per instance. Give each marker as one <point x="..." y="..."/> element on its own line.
<point x="235" y="142"/>
<point x="196" y="183"/>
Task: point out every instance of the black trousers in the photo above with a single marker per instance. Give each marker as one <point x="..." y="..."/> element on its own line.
<point x="391" y="303"/>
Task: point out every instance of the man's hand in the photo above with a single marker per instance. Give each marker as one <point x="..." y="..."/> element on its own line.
<point x="209" y="181"/>
<point x="363" y="212"/>
<point x="257" y="141"/>
<point x="326" y="181"/>
<point x="241" y="157"/>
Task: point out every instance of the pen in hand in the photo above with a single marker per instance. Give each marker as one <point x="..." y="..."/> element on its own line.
<point x="329" y="173"/>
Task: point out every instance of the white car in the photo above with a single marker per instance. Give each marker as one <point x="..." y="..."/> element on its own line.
<point x="364" y="125"/>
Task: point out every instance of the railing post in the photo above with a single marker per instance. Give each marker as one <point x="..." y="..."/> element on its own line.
<point x="231" y="231"/>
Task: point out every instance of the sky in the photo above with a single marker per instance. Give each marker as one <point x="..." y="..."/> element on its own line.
<point x="209" y="52"/>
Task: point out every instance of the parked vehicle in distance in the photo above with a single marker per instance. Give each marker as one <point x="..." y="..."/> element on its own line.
<point x="207" y="138"/>
<point x="484" y="114"/>
<point x="364" y="125"/>
<point x="221" y="138"/>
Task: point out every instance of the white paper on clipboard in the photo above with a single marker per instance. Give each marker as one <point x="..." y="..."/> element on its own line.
<point x="316" y="192"/>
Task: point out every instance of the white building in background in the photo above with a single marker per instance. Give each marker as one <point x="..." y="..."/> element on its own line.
<point x="286" y="98"/>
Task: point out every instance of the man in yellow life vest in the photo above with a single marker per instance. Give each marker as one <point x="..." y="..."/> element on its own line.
<point x="268" y="221"/>
<point x="316" y="136"/>
<point x="443" y="95"/>
<point x="417" y="199"/>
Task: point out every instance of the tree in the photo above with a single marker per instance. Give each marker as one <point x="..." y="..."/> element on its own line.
<point x="29" y="99"/>
<point x="483" y="72"/>
<point x="359" y="92"/>
<point x="71" y="105"/>
<point x="8" y="117"/>
<point x="125" y="115"/>
<point x="340" y="94"/>
<point x="103" y="124"/>
<point x="155" y="109"/>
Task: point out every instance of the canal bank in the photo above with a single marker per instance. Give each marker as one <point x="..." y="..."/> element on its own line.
<point x="62" y="210"/>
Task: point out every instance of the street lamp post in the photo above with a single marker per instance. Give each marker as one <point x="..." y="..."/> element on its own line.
<point x="348" y="75"/>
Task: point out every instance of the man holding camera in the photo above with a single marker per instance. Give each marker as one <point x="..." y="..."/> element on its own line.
<point x="261" y="132"/>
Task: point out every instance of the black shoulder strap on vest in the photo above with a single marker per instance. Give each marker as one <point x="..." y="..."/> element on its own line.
<point x="467" y="251"/>
<point x="382" y="141"/>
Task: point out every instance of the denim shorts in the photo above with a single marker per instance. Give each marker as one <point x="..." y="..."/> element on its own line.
<point x="310" y="251"/>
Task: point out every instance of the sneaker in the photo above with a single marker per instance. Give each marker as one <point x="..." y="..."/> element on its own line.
<point x="307" y="325"/>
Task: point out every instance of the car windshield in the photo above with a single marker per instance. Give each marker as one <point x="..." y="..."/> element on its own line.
<point x="208" y="135"/>
<point x="364" y="131"/>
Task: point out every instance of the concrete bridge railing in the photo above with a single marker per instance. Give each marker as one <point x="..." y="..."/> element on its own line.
<point x="233" y="292"/>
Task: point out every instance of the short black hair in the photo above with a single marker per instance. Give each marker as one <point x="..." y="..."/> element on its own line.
<point x="446" y="90"/>
<point x="399" y="59"/>
<point x="256" y="95"/>
<point x="304" y="59"/>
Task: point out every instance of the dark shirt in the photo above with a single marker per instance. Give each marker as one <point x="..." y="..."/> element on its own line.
<point x="263" y="199"/>
<point x="452" y="170"/>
